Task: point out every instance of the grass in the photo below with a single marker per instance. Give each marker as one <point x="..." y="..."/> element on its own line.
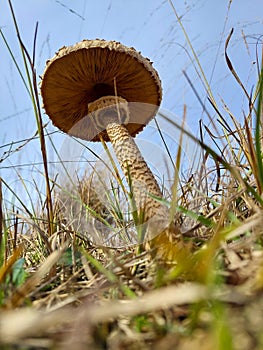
<point x="60" y="289"/>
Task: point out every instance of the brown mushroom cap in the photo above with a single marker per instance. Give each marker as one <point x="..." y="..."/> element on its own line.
<point x="91" y="69"/>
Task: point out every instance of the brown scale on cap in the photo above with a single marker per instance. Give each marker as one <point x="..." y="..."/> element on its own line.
<point x="103" y="89"/>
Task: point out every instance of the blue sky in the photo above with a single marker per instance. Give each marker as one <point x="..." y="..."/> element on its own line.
<point x="152" y="28"/>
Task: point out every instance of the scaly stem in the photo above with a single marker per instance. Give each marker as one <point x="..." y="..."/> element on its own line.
<point x="112" y="113"/>
<point x="144" y="184"/>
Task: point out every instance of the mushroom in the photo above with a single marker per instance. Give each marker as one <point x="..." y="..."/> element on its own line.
<point x="101" y="89"/>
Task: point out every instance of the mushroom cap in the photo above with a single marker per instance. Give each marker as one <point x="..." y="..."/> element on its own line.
<point x="91" y="69"/>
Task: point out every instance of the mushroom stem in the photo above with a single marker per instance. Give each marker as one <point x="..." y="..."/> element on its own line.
<point x="111" y="113"/>
<point x="134" y="167"/>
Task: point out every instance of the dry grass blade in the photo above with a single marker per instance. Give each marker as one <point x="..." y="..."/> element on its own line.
<point x="15" y="325"/>
<point x="4" y="269"/>
<point x="42" y="233"/>
<point x="202" y="74"/>
<point x="247" y="225"/>
<point x="163" y="298"/>
<point x="230" y="66"/>
<point x="33" y="91"/>
<point x="31" y="283"/>
<point x="18" y="324"/>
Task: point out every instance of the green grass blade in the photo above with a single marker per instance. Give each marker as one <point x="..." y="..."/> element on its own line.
<point x="208" y="88"/>
<point x="15" y="61"/>
<point x="258" y="131"/>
